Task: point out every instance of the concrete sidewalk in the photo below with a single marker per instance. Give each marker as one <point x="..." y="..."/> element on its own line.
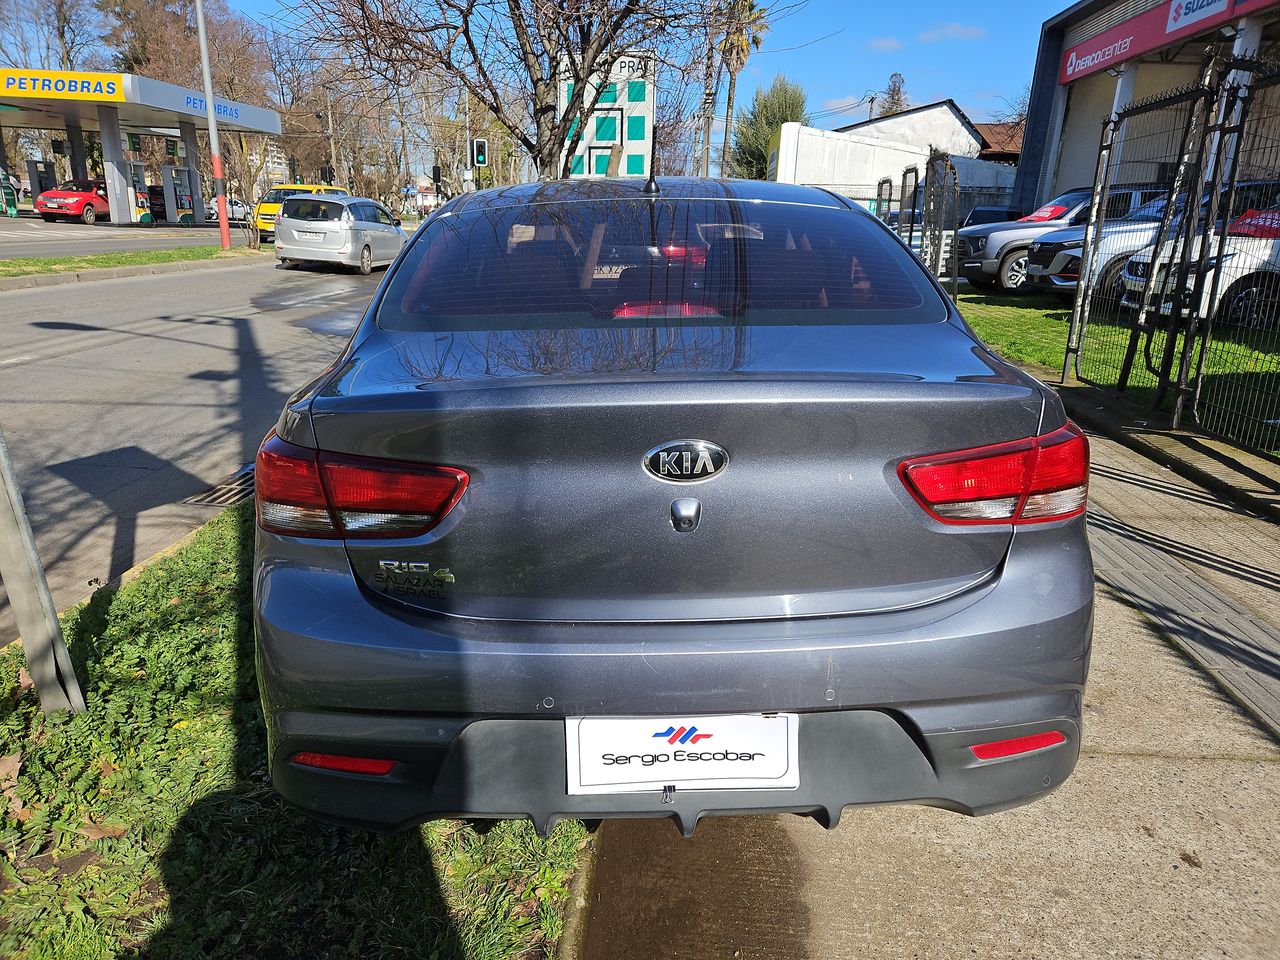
<point x="1204" y="567"/>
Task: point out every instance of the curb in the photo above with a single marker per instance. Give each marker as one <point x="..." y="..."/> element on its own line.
<point x="572" y="939"/>
<point x="35" y="280"/>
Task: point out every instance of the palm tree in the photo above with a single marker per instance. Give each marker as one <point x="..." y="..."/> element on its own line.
<point x="746" y="26"/>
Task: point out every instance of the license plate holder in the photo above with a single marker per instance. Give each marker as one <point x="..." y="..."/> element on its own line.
<point x="722" y="752"/>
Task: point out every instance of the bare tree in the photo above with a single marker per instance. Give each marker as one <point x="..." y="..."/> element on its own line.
<point x="510" y="55"/>
<point x="50" y="34"/>
<point x="893" y="98"/>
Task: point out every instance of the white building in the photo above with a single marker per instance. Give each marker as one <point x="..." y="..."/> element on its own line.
<point x="942" y="125"/>
<point x="622" y="120"/>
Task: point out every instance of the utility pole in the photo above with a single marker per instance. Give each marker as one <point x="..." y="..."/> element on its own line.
<point x="709" y="106"/>
<point x="333" y="144"/>
<point x="23" y="576"/>
<point x="215" y="158"/>
<point x="468" y="176"/>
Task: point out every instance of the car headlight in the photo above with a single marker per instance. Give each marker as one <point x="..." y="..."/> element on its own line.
<point x="976" y="244"/>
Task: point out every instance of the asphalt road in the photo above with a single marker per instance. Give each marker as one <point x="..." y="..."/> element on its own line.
<point x="119" y="398"/>
<point x="29" y="236"/>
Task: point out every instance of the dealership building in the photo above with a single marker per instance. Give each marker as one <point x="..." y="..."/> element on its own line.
<point x="1099" y="55"/>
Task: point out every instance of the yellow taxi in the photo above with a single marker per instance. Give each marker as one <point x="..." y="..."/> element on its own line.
<point x="264" y="214"/>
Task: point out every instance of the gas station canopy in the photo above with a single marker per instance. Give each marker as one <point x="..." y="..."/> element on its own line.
<point x="58" y="99"/>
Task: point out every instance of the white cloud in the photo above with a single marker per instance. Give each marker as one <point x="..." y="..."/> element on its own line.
<point x="886" y="44"/>
<point x="951" y="31"/>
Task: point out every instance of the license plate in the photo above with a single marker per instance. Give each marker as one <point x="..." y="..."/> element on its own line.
<point x="308" y="235"/>
<point x="638" y="754"/>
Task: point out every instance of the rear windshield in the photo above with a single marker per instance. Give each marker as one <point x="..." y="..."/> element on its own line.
<point x="630" y="262"/>
<point x="300" y="208"/>
<point x="279" y="193"/>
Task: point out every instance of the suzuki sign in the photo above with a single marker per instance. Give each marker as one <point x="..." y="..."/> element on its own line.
<point x="1151" y="30"/>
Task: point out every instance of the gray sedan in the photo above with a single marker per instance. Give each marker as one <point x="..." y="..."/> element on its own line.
<point x="354" y="231"/>
<point x="637" y="502"/>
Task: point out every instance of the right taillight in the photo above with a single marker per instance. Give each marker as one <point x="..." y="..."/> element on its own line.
<point x="312" y="493"/>
<point x="1024" y="481"/>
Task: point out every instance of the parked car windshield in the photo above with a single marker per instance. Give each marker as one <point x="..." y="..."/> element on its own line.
<point x="626" y="262"/>
<point x="301" y="208"/>
<point x="78" y="186"/>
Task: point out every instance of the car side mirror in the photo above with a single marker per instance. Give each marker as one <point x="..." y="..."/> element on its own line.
<point x="396" y="222"/>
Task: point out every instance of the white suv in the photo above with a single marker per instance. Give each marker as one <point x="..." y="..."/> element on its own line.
<point x="1248" y="282"/>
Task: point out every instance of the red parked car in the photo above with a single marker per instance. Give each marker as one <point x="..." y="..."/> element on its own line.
<point x="85" y="200"/>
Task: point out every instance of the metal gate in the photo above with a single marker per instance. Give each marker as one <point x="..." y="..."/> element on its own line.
<point x="941" y="217"/>
<point x="907" y="205"/>
<point x="1178" y="302"/>
<point x="884" y="198"/>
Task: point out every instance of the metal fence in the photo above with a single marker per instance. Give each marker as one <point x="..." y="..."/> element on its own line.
<point x="1178" y="303"/>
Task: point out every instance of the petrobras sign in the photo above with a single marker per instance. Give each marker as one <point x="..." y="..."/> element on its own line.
<point x="22" y="83"/>
<point x="1183" y="13"/>
<point x="1150" y="30"/>
<point x="184" y="100"/>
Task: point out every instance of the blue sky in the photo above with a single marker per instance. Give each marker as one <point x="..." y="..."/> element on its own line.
<point x="973" y="52"/>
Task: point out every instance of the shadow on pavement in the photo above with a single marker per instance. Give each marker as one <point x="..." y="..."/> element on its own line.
<point x="655" y="894"/>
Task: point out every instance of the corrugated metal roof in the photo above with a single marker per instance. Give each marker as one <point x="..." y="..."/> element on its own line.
<point x="1107" y="17"/>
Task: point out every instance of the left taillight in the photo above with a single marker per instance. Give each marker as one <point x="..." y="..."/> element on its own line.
<point x="1034" y="480"/>
<point x="302" y="492"/>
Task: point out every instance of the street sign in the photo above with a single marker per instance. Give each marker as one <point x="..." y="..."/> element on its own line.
<point x="480" y="152"/>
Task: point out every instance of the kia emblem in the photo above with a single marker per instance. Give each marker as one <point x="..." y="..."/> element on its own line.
<point x="686" y="461"/>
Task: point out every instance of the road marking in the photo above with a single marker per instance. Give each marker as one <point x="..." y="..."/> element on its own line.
<point x="5" y="363"/>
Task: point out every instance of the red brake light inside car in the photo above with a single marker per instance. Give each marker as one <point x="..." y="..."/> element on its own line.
<point x="1035" y="480"/>
<point x="310" y="493"/>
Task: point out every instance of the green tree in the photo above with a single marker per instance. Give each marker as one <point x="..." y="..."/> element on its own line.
<point x="782" y="102"/>
<point x="747" y="26"/>
<point x="893" y="99"/>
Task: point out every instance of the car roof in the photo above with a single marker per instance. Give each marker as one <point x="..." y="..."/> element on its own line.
<point x="332" y="198"/>
<point x="632" y="188"/>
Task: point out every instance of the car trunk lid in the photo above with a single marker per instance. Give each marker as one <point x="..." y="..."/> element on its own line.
<point x="562" y="521"/>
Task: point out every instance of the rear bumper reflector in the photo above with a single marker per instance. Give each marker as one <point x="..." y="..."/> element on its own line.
<point x="370" y="766"/>
<point x="1010" y="748"/>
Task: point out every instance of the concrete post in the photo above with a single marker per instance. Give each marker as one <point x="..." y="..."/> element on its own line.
<point x="79" y="166"/>
<point x="1125" y="84"/>
<point x="188" y="131"/>
<point x="113" y="168"/>
<point x="47" y="659"/>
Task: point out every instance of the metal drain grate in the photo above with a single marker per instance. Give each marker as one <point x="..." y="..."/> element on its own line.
<point x="237" y="488"/>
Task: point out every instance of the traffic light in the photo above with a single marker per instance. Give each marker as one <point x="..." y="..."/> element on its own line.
<point x="479" y="152"/>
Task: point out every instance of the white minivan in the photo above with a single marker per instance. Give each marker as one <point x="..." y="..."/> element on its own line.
<point x="355" y="231"/>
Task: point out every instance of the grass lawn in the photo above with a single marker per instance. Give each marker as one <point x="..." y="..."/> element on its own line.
<point x="1027" y="329"/>
<point x="1239" y="392"/>
<point x="146" y="827"/>
<point x="25" y="266"/>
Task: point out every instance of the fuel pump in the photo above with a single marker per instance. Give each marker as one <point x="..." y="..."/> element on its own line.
<point x="139" y="199"/>
<point x="43" y="176"/>
<point x="177" y="194"/>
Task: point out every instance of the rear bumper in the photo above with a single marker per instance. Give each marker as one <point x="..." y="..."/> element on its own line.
<point x="513" y="768"/>
<point x="473" y="711"/>
<point x="286" y="251"/>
